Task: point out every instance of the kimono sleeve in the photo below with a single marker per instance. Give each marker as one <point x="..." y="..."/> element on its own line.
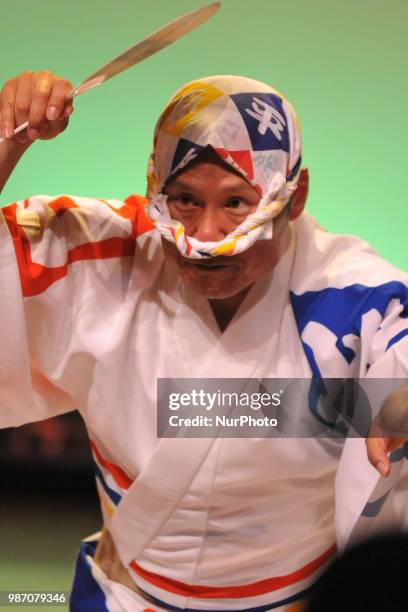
<point x="384" y="327"/>
<point x="387" y="357"/>
<point x="365" y="501"/>
<point x="389" y="365"/>
<point x="41" y="239"/>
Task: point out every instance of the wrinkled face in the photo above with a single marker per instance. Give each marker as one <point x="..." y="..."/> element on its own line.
<point x="211" y="200"/>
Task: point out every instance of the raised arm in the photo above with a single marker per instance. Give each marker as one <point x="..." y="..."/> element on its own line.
<point x="40" y="98"/>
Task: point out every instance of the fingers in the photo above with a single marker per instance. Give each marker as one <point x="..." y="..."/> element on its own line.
<point x="377" y="448"/>
<point x="22" y="103"/>
<point x="377" y="454"/>
<point x="41" y="93"/>
<point x="58" y="103"/>
<point x="39" y="98"/>
<point x="379" y="445"/>
<point x="50" y="108"/>
<point x="7" y="100"/>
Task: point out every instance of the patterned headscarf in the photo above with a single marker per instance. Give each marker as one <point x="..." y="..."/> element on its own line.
<point x="252" y="127"/>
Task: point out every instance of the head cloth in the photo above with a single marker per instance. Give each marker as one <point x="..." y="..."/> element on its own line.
<point x="252" y="127"/>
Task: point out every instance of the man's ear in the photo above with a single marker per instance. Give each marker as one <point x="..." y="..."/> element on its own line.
<point x="299" y="196"/>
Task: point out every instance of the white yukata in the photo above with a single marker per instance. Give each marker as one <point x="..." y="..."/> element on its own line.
<point x="92" y="316"/>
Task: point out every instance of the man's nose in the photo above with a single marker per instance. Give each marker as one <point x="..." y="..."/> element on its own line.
<point x="209" y="227"/>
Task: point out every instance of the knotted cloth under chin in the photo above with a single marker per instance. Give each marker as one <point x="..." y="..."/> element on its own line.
<point x="252" y="127"/>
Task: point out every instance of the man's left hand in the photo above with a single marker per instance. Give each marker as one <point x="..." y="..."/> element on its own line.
<point x="379" y="444"/>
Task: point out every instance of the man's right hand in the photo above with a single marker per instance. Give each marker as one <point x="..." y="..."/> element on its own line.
<point x="40" y="98"/>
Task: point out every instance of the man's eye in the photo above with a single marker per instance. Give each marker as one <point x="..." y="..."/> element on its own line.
<point x="235" y="203"/>
<point x="239" y="205"/>
<point x="183" y="198"/>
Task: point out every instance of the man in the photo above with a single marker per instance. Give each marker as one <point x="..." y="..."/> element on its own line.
<point x="241" y="284"/>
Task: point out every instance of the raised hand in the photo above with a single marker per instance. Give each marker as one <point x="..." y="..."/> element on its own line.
<point x="40" y="99"/>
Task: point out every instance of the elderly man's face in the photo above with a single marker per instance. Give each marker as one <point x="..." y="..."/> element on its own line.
<point x="211" y="200"/>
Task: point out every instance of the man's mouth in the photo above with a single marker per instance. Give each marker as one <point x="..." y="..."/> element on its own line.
<point x="208" y="266"/>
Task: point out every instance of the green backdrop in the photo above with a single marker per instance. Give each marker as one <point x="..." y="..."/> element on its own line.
<point x="341" y="64"/>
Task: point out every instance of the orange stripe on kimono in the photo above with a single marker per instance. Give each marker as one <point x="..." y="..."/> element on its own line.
<point x="27" y="226"/>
